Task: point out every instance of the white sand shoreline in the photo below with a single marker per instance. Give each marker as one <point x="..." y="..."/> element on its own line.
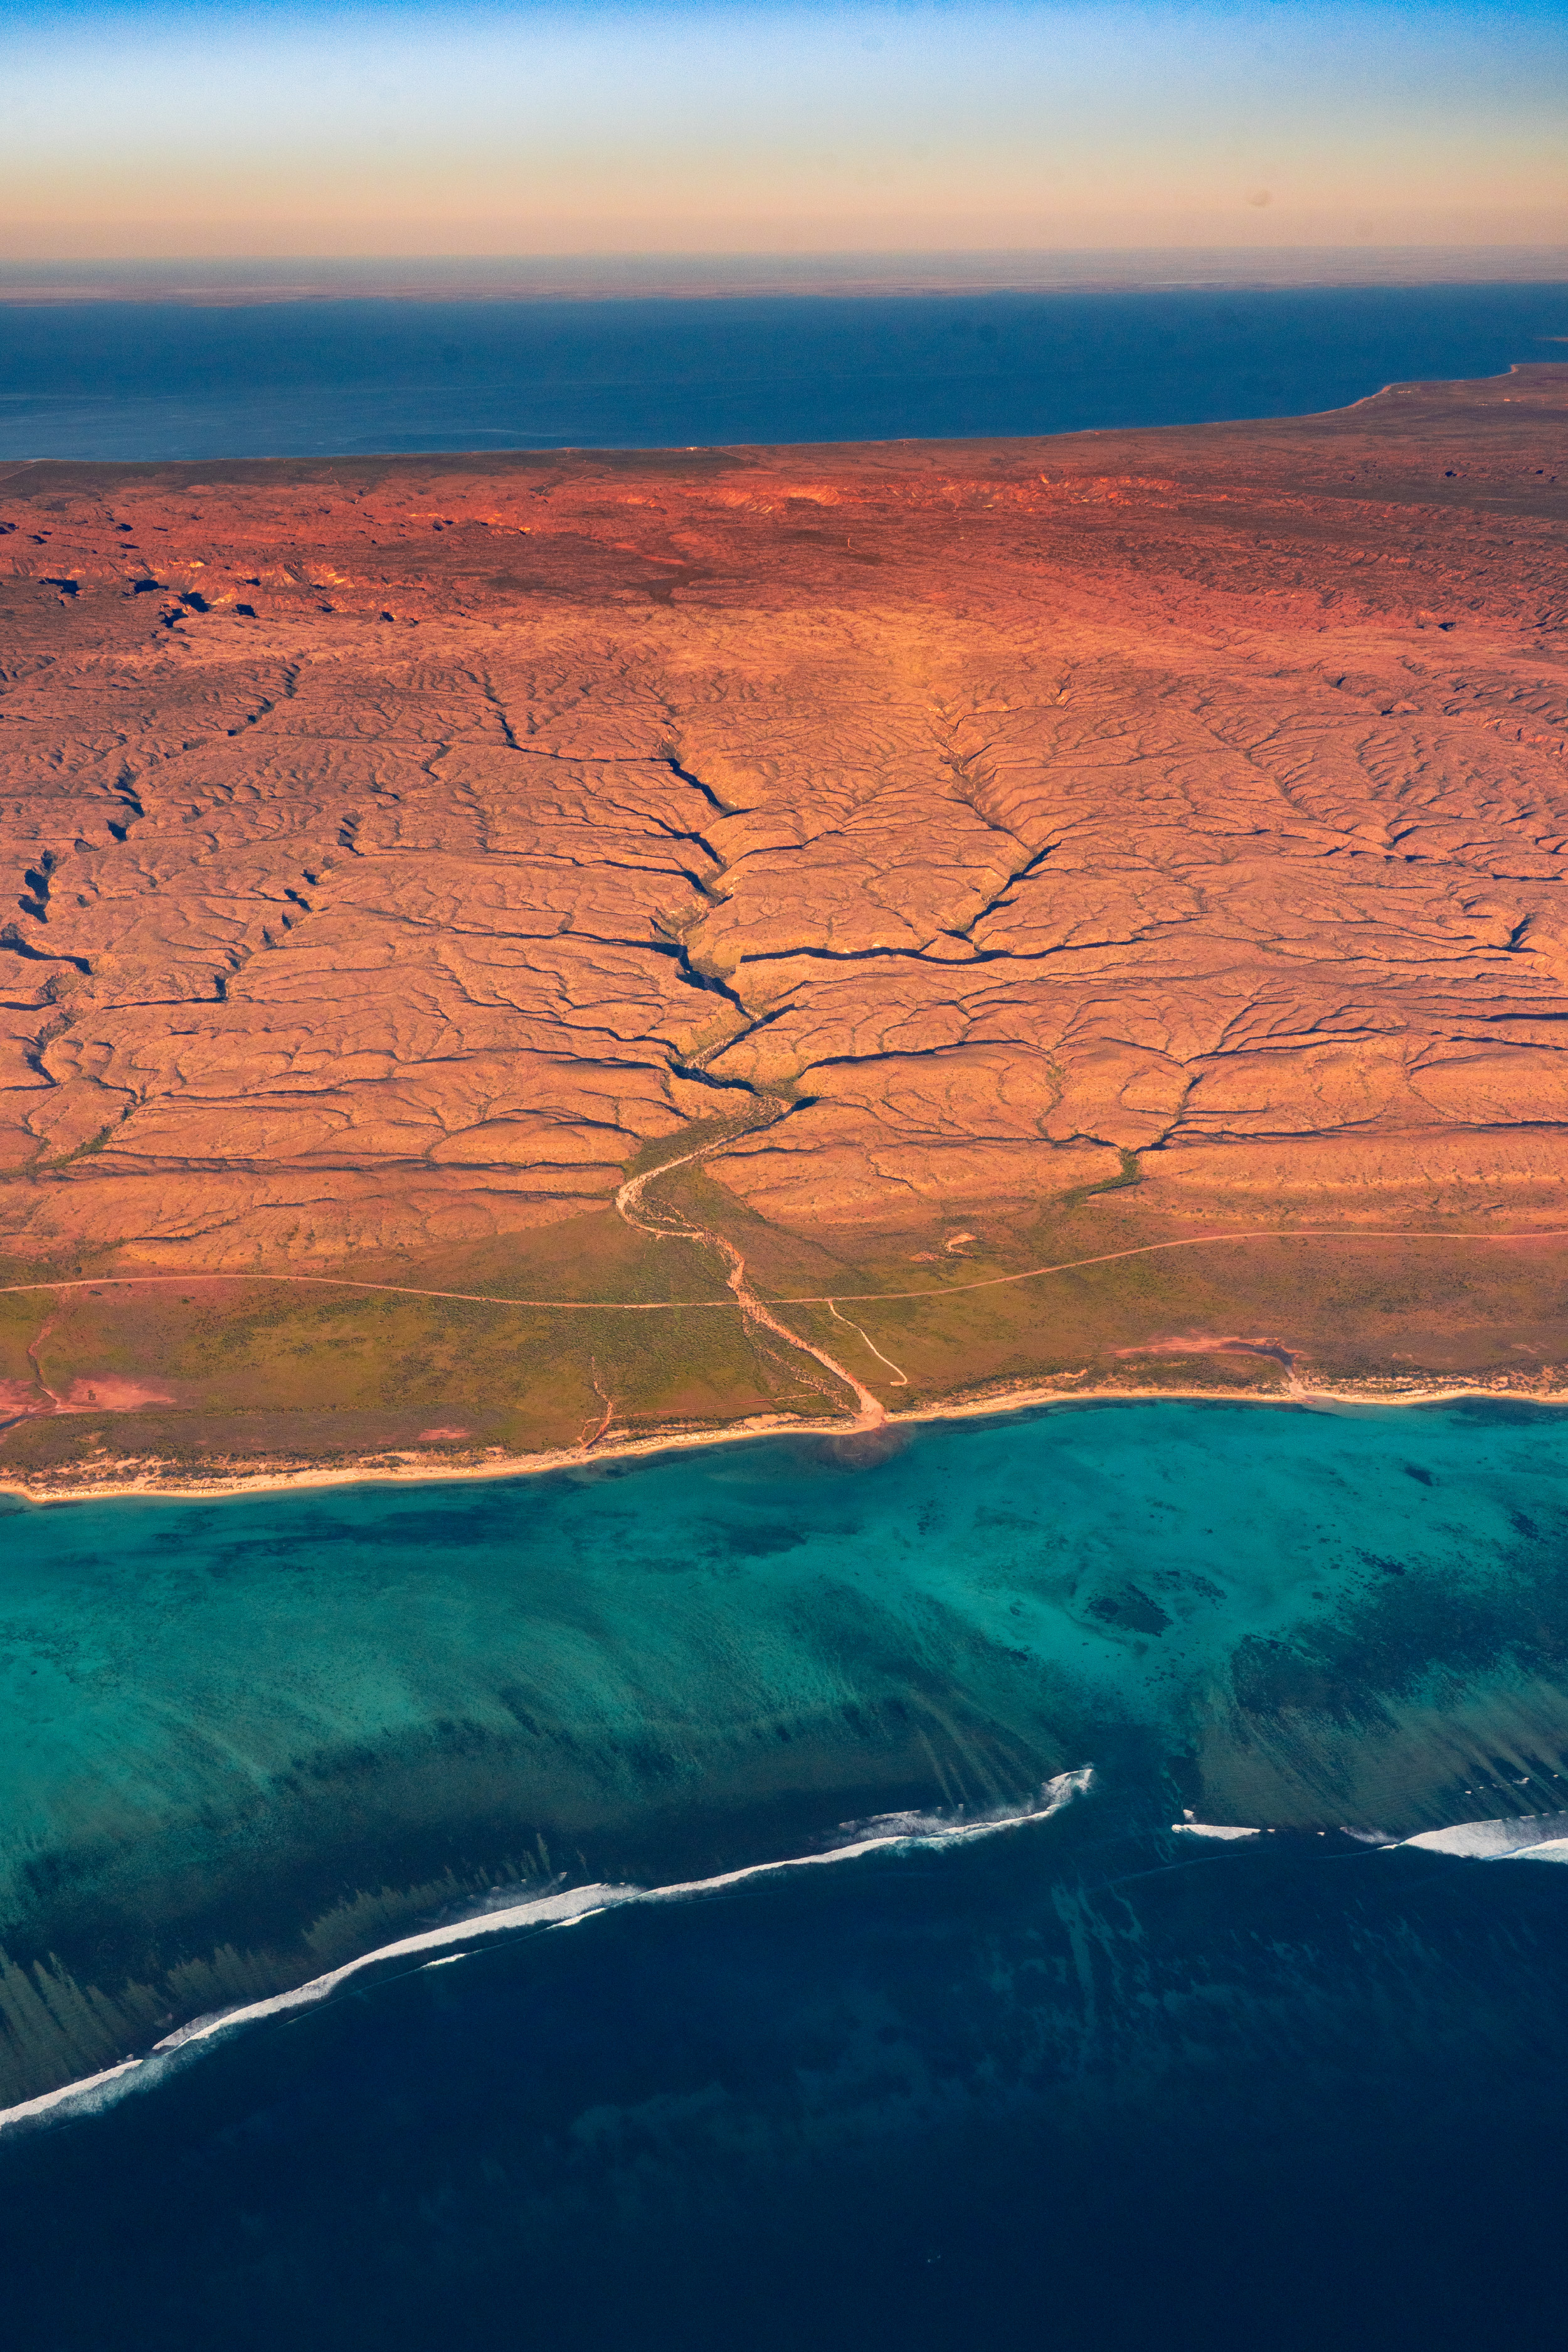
<point x="406" y="1469"/>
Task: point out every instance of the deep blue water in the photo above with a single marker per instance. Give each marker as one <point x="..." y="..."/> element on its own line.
<point x="1049" y="2090"/>
<point x="153" y="380"/>
<point x="1074" y="2078"/>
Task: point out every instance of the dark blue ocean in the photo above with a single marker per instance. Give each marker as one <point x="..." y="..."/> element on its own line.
<point x="160" y="379"/>
<point x="772" y="1895"/>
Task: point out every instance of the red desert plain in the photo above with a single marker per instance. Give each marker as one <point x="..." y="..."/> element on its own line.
<point x="715" y="938"/>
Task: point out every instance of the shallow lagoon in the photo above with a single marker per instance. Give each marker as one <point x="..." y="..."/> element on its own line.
<point x="242" y="1741"/>
<point x="1066" y="2086"/>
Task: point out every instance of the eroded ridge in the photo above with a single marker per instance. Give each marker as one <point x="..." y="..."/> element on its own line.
<point x="398" y="848"/>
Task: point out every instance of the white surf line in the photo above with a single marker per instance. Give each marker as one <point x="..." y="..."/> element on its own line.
<point x="1515" y="1837"/>
<point x="85" y="2090"/>
<point x="569" y="1909"/>
<point x="1522" y="1837"/>
<point x="923" y="1830"/>
<point x="541" y="1910"/>
<point x="1214" y="1830"/>
<point x="900" y="1379"/>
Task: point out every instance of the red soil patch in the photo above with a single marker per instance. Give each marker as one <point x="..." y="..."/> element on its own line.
<point x="107" y="1393"/>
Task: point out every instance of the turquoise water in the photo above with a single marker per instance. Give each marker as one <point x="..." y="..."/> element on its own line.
<point x="242" y="1741"/>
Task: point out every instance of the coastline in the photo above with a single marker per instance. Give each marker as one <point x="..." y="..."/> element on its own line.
<point x="403" y="1468"/>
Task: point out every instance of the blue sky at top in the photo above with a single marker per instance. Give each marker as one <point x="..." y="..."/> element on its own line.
<point x="217" y="127"/>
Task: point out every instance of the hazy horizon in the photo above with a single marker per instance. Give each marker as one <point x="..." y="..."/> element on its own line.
<point x="600" y="129"/>
<point x="243" y="279"/>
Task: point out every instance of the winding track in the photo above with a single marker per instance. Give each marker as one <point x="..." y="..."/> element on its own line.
<point x="873" y="1413"/>
<point x="634" y="1211"/>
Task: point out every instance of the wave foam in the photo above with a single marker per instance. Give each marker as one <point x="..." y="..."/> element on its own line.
<point x="1527" y="1839"/>
<point x="1532" y="1837"/>
<point x="566" y="1909"/>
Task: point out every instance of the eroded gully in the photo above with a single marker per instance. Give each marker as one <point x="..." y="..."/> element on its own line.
<point x="871" y="1411"/>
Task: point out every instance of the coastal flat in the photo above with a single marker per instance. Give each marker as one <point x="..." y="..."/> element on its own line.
<point x="402" y="851"/>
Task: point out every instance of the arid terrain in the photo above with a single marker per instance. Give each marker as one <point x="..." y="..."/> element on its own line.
<point x="914" y="840"/>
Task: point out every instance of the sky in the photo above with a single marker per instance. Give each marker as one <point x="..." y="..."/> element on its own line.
<point x="217" y="129"/>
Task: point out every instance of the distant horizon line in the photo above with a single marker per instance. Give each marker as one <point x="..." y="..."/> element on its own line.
<point x="274" y="278"/>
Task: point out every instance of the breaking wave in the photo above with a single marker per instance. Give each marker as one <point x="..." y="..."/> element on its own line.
<point x="1532" y="1837"/>
<point x="1537" y="1837"/>
<point x="566" y="1907"/>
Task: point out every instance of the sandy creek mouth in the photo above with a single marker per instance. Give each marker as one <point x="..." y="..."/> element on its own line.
<point x="871" y="1411"/>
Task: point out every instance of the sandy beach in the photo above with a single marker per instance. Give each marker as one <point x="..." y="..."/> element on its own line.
<point x="132" y="1477"/>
